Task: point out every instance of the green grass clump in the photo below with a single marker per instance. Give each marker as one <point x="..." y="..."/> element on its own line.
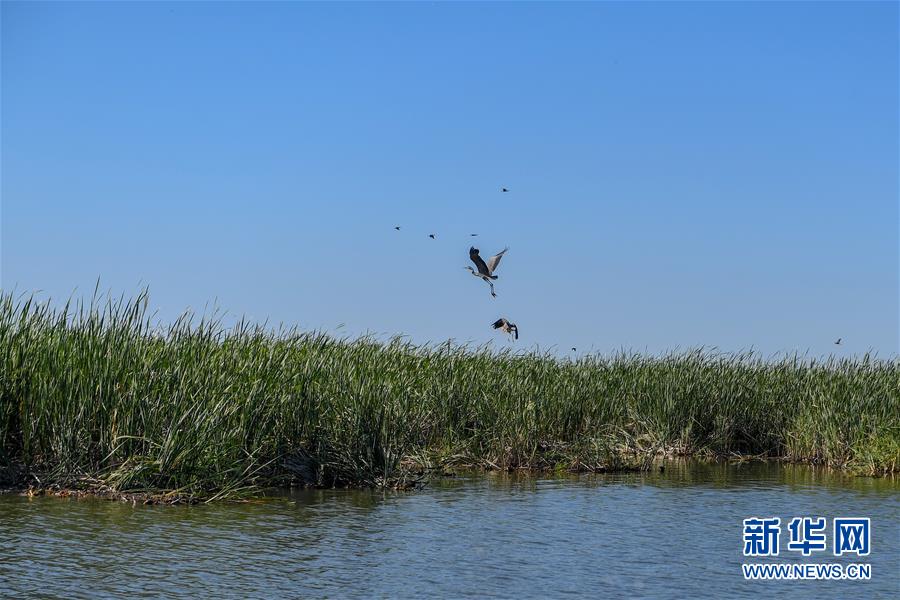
<point x="197" y="410"/>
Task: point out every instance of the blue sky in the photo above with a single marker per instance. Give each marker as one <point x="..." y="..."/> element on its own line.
<point x="716" y="174"/>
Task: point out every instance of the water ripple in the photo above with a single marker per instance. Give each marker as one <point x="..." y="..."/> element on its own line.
<point x="639" y="535"/>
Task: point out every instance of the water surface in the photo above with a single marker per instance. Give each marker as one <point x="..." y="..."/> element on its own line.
<point x="671" y="534"/>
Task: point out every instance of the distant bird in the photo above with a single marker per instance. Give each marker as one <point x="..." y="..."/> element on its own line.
<point x="397" y="228"/>
<point x="573" y="349"/>
<point x="473" y="234"/>
<point x="431" y="235"/>
<point x="485" y="271"/>
<point x="504" y="190"/>
<point x="507" y="327"/>
<point x="838" y="342"/>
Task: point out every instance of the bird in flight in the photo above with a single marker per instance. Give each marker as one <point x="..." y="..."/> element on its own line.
<point x="485" y="270"/>
<point x="507" y="327"/>
<point x="397" y="228"/>
<point x="573" y="349"/>
<point x="431" y="235"/>
<point x="473" y="234"/>
<point x="504" y="190"/>
<point x="838" y="342"/>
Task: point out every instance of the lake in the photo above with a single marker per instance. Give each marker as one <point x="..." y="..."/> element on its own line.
<point x="672" y="534"/>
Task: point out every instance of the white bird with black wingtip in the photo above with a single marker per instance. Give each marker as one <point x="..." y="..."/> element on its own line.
<point x="505" y="326"/>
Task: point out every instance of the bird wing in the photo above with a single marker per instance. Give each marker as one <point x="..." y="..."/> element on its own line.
<point x="498" y="324"/>
<point x="479" y="262"/>
<point x="495" y="260"/>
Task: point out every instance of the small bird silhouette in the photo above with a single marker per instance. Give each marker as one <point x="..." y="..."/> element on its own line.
<point x="838" y="342"/>
<point x="431" y="235"/>
<point x="507" y="327"/>
<point x="573" y="349"/>
<point x="473" y="234"/>
<point x="397" y="228"/>
<point x="504" y="190"/>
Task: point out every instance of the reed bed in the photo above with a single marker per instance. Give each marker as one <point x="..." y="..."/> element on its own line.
<point x="99" y="393"/>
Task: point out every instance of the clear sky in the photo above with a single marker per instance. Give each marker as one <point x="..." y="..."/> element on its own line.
<point x="716" y="174"/>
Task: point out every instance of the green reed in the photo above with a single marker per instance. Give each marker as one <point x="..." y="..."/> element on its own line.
<point x="198" y="410"/>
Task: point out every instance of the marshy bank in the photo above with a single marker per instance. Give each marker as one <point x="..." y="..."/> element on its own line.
<point x="100" y="398"/>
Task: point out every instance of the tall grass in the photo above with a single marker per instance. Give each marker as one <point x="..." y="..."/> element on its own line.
<point x="199" y="410"/>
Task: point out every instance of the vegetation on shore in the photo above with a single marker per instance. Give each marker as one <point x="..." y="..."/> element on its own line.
<point x="100" y="394"/>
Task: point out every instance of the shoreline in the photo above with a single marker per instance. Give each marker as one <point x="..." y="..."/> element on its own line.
<point x="94" y="488"/>
<point x="204" y="410"/>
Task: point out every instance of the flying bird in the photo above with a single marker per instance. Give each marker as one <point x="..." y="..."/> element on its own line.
<point x="397" y="228"/>
<point x="573" y="349"/>
<point x="504" y="190"/>
<point x="485" y="270"/>
<point x="507" y="327"/>
<point x="431" y="235"/>
<point x="838" y="342"/>
<point x="473" y="234"/>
